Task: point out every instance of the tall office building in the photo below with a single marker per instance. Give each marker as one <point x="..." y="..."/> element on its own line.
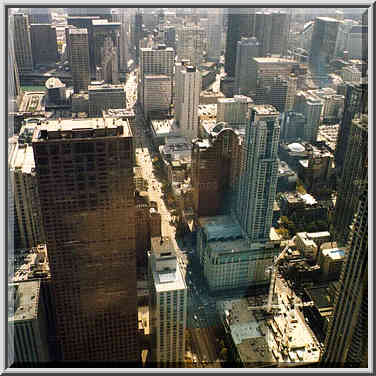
<point x="279" y="33"/>
<point x="122" y="15"/>
<point x="137" y="33"/>
<point x="188" y="88"/>
<point x="158" y="60"/>
<point x="103" y="97"/>
<point x="22" y="43"/>
<point x="234" y="111"/>
<point x="263" y="31"/>
<point x="323" y="45"/>
<point x="168" y="304"/>
<point x="215" y="22"/>
<point x="346" y="343"/>
<point x="238" y="25"/>
<point x="23" y="184"/>
<point x="85" y="180"/>
<point x="79" y="59"/>
<point x="190" y="44"/>
<point x="258" y="180"/>
<point x="39" y="15"/>
<point x="246" y="50"/>
<point x="43" y="44"/>
<point x="354" y="175"/>
<point x="14" y="88"/>
<point x="356" y="97"/>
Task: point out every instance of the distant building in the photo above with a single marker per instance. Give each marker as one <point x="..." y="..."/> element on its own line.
<point x="43" y="44"/>
<point x="104" y="97"/>
<point x="157" y="95"/>
<point x="188" y="87"/>
<point x="234" y="111"/>
<point x="358" y="42"/>
<point x="22" y="42"/>
<point x="215" y="27"/>
<point x="56" y="91"/>
<point x="79" y="59"/>
<point x="292" y="126"/>
<point x="39" y="15"/>
<point x="190" y="44"/>
<point x="168" y="304"/>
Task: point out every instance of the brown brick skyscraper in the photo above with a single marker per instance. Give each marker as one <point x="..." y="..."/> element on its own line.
<point x="85" y="179"/>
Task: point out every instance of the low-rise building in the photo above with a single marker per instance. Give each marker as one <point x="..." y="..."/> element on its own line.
<point x="287" y="178"/>
<point x="161" y="129"/>
<point x="210" y="97"/>
<point x="331" y="262"/>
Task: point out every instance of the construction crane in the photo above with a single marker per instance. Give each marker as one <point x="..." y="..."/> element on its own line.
<point x="273" y="271"/>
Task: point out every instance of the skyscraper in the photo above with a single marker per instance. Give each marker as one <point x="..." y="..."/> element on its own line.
<point x="188" y="88"/>
<point x="263" y="31"/>
<point x="22" y="43"/>
<point x="247" y="48"/>
<point x="43" y="44"/>
<point x="346" y="343"/>
<point x="354" y="175"/>
<point x="323" y="45"/>
<point x="215" y="22"/>
<point x="190" y="44"/>
<point x="39" y="15"/>
<point x="79" y="59"/>
<point x="258" y="180"/>
<point x="85" y="180"/>
<point x="238" y="25"/>
<point x="279" y="33"/>
<point x="168" y="304"/>
<point x="14" y="88"/>
<point x="356" y="97"/>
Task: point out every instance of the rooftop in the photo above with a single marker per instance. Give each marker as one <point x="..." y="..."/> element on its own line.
<point x="54" y="82"/>
<point x="77" y="31"/>
<point x="334" y="253"/>
<point x="273" y="60"/>
<point x="106" y="87"/>
<point x="265" y="109"/>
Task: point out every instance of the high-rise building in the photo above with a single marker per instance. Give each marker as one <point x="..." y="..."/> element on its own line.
<point x="22" y="43"/>
<point x="346" y="343"/>
<point x="79" y="59"/>
<point x="356" y="97"/>
<point x="215" y="172"/>
<point x="238" y="25"/>
<point x="14" y="88"/>
<point x="27" y="324"/>
<point x="279" y="33"/>
<point x="246" y="50"/>
<point x="354" y="175"/>
<point x="215" y="22"/>
<point x="168" y="304"/>
<point x="311" y="107"/>
<point x="137" y="33"/>
<point x="157" y="94"/>
<point x="154" y="61"/>
<point x="85" y="181"/>
<point x="190" y="44"/>
<point x="39" y="15"/>
<point x="188" y="88"/>
<point x="263" y="31"/>
<point x="43" y="44"/>
<point x="234" y="111"/>
<point x="105" y="96"/>
<point x="278" y="93"/>
<point x="258" y="180"/>
<point x="123" y="16"/>
<point x="24" y="189"/>
<point x="323" y="45"/>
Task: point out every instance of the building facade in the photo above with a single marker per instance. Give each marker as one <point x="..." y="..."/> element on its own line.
<point x="43" y="44"/>
<point x="104" y="97"/>
<point x="258" y="180"/>
<point x="168" y="304"/>
<point x="190" y="44"/>
<point x="79" y="59"/>
<point x="234" y="111"/>
<point x="85" y="179"/>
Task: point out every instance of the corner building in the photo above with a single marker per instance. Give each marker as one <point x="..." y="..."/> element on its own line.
<point x="85" y="179"/>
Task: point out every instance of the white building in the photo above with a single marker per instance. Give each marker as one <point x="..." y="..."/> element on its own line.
<point x="168" y="304"/>
<point x="188" y="88"/>
<point x="351" y="74"/>
<point x="190" y="44"/>
<point x="234" y="111"/>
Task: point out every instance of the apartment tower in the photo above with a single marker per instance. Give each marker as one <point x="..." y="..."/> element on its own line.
<point x="22" y="42"/>
<point x="85" y="180"/>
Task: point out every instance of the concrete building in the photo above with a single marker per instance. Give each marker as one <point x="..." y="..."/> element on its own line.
<point x="123" y="17"/>
<point x="331" y="263"/>
<point x="104" y="97"/>
<point x="168" y="304"/>
<point x="215" y="172"/>
<point x="258" y="181"/>
<point x="43" y="44"/>
<point x="351" y="74"/>
<point x="80" y="103"/>
<point x="234" y="111"/>
<point x="155" y="61"/>
<point x="89" y="220"/>
<point x="246" y="49"/>
<point x="292" y="126"/>
<point x="14" y="88"/>
<point x="190" y="44"/>
<point x="27" y="325"/>
<point x="188" y="88"/>
<point x="79" y="59"/>
<point x="157" y="94"/>
<point x="311" y="107"/>
<point x="350" y="315"/>
<point x="279" y="33"/>
<point x="215" y="27"/>
<point x="56" y="91"/>
<point x="354" y="175"/>
<point x="22" y="42"/>
<point x="39" y="15"/>
<point x="23" y="182"/>
<point x="358" y="42"/>
<point x="323" y="45"/>
<point x="227" y="259"/>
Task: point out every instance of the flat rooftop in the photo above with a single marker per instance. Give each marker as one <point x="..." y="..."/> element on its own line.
<point x="82" y="128"/>
<point x="265" y="109"/>
<point x="77" y="31"/>
<point x="273" y="60"/>
<point x="106" y="87"/>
